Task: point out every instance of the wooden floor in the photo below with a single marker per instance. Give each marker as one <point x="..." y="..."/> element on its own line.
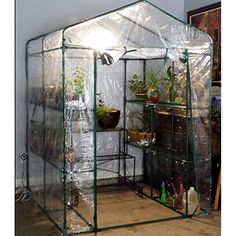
<point x="116" y="208"/>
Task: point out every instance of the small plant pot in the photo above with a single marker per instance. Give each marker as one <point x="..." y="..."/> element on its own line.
<point x="110" y="121"/>
<point x="137" y="136"/>
<point x="154" y="99"/>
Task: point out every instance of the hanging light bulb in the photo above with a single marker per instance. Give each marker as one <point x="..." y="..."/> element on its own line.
<point x="104" y="42"/>
<point x="100" y="39"/>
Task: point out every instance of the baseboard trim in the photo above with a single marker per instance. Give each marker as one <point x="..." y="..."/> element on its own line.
<point x="19" y="183"/>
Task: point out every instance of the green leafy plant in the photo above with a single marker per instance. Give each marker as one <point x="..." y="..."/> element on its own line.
<point x="179" y="100"/>
<point x="136" y="119"/>
<point x="140" y="131"/>
<point x="153" y="82"/>
<point x="173" y="85"/>
<point x="140" y="121"/>
<point x="170" y="82"/>
<point x="137" y="85"/>
<point x="103" y="112"/>
<point x="75" y="84"/>
<point x="107" y="117"/>
<point x="148" y="88"/>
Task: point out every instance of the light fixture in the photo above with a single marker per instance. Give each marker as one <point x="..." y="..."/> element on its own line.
<point x="104" y="42"/>
<point x="99" y="39"/>
<point x="114" y="55"/>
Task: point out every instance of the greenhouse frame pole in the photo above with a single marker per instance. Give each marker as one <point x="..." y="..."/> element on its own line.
<point x="44" y="125"/>
<point x="187" y="130"/>
<point x="64" y="140"/>
<point x="210" y="119"/>
<point x="27" y="114"/>
<point x="95" y="141"/>
<point x="191" y="120"/>
<point x="124" y="121"/>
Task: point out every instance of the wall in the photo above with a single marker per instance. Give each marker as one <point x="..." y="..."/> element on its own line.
<point x="190" y="5"/>
<point x="34" y="17"/>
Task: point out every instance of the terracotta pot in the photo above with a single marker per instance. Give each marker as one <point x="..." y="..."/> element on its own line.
<point x="110" y="121"/>
<point x="154" y="99"/>
<point x="138" y="136"/>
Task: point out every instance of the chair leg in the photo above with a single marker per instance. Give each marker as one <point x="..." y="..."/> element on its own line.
<point x="217" y="195"/>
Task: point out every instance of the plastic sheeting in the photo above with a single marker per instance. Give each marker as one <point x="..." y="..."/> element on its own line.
<point x="68" y="159"/>
<point x="141" y="25"/>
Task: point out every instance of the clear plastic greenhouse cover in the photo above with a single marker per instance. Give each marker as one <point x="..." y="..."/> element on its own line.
<point x="66" y="82"/>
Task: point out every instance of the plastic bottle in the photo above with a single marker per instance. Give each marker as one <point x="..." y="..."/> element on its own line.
<point x="193" y="202"/>
<point x="163" y="193"/>
<point x="181" y="192"/>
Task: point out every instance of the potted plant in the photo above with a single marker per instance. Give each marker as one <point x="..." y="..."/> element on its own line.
<point x="153" y="89"/>
<point x="138" y="87"/>
<point x="170" y="79"/>
<point x="107" y="117"/>
<point x="174" y="87"/>
<point x="140" y="131"/>
<point x="75" y="84"/>
<point x="146" y="90"/>
<point x="74" y="88"/>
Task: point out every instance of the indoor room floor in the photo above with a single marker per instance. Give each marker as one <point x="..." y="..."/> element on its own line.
<point x="30" y="220"/>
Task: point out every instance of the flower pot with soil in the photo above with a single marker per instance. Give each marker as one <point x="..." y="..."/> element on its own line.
<point x="140" y="131"/>
<point x="107" y="117"/>
<point x="146" y="87"/>
<point x="139" y="136"/>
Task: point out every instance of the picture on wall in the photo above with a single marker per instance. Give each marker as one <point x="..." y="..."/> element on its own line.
<point x="208" y="19"/>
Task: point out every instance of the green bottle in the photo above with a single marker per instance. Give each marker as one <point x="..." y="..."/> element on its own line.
<point x="163" y="193"/>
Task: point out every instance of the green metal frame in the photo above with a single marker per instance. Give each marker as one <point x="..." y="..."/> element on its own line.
<point x="64" y="141"/>
<point x="94" y="227"/>
<point x="27" y="113"/>
<point x="188" y="109"/>
<point x="95" y="142"/>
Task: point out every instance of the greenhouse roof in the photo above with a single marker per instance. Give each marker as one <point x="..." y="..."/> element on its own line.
<point x="140" y="25"/>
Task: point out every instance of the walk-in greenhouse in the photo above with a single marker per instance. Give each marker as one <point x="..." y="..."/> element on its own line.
<point x="118" y="120"/>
